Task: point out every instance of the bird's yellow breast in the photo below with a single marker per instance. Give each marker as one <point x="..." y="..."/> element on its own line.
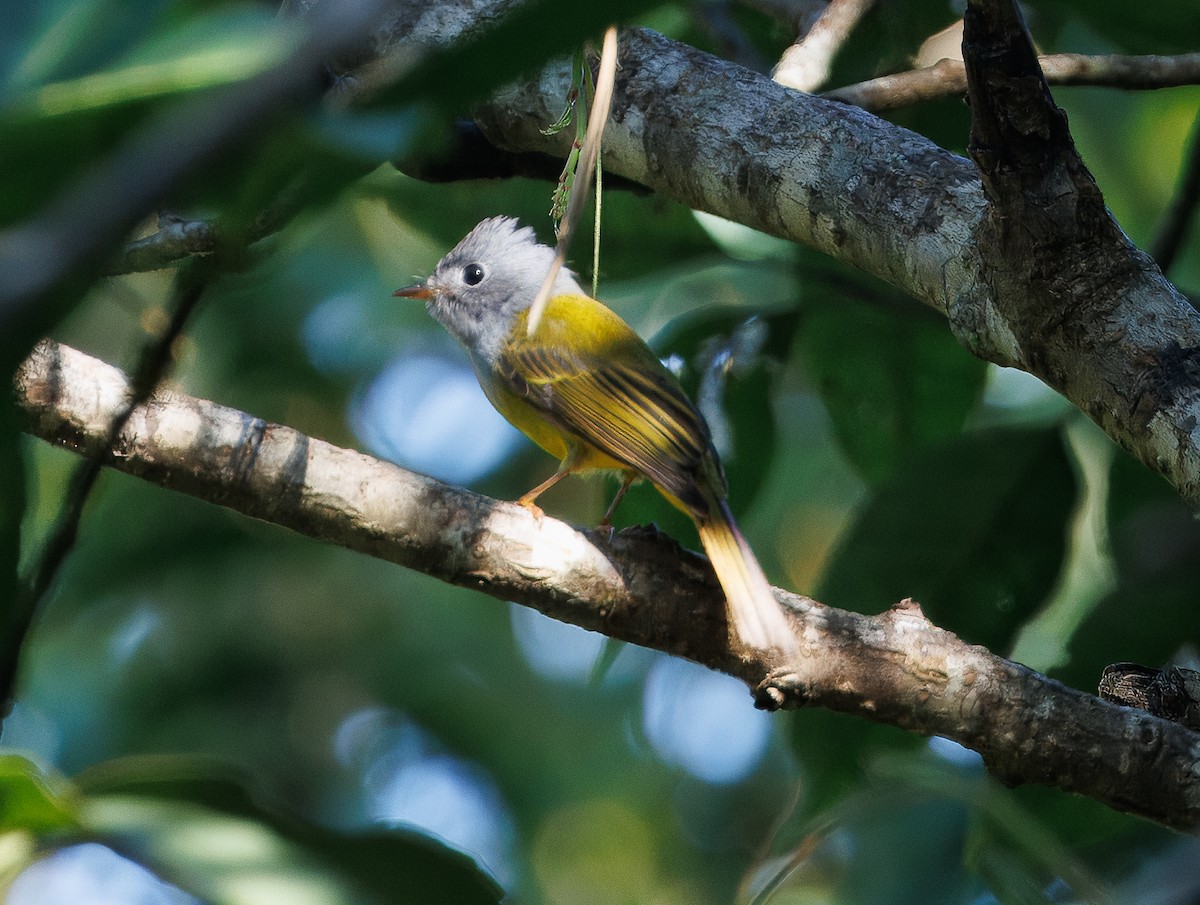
<point x="588" y="390"/>
<point x="570" y="322"/>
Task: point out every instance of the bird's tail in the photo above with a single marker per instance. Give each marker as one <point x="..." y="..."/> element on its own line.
<point x="754" y="613"/>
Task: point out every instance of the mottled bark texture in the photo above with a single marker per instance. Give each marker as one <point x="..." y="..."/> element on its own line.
<point x="637" y="586"/>
<point x="1071" y="299"/>
<point x="1093" y="316"/>
<point x="1018" y="253"/>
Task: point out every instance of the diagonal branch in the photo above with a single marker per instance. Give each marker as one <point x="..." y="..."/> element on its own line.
<point x="805" y="65"/>
<point x="637" y="586"/>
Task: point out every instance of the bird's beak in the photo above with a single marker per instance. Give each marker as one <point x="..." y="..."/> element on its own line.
<point x="419" y="291"/>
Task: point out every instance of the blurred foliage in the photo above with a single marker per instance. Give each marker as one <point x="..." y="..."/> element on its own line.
<point x="201" y="830"/>
<point x="893" y="381"/>
<point x="231" y="705"/>
<point x="979" y="570"/>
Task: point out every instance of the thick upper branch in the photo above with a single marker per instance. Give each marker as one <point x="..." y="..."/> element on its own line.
<point x="1112" y="335"/>
<point x="637" y="586"/>
<point x="729" y="141"/>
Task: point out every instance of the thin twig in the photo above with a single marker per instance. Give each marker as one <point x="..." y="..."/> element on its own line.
<point x="173" y="240"/>
<point x="1174" y="228"/>
<point x="588" y="156"/>
<point x="805" y="65"/>
<point x="948" y="78"/>
<point x="152" y="364"/>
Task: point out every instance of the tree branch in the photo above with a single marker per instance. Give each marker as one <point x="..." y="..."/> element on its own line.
<point x="45" y="565"/>
<point x="948" y="78"/>
<point x="173" y="240"/>
<point x="729" y="141"/>
<point x="722" y="139"/>
<point x="805" y="65"/>
<point x="1074" y="300"/>
<point x="638" y="586"/>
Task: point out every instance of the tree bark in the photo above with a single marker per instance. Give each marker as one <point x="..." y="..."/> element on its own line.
<point x="1111" y="333"/>
<point x="1092" y="316"/>
<point x="638" y="586"/>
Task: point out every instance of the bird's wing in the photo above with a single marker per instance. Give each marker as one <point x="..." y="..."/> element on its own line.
<point x="601" y="383"/>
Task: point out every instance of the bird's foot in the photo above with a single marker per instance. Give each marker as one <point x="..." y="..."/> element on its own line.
<point x="606" y="530"/>
<point x="534" y="509"/>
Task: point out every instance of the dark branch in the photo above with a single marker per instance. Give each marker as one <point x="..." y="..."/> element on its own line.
<point x="638" y="586"/>
<point x="469" y="155"/>
<point x="173" y="240"/>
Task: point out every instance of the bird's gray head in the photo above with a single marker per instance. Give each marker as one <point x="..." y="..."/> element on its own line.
<point x="486" y="280"/>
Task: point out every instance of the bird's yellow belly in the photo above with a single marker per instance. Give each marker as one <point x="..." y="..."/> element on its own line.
<point x="534" y="425"/>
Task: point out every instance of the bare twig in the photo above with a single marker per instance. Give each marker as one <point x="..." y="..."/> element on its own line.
<point x="173" y="240"/>
<point x="806" y="65"/>
<point x="1179" y="215"/>
<point x="638" y="586"/>
<point x="948" y="78"/>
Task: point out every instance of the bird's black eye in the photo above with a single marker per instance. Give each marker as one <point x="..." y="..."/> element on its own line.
<point x="472" y="275"/>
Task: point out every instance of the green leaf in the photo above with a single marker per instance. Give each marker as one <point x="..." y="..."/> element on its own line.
<point x="65" y="39"/>
<point x="1154" y="28"/>
<point x="892" y="377"/>
<point x="198" y="828"/>
<point x="12" y="511"/>
<point x="27" y="801"/>
<point x="233" y="56"/>
<point x="1151" y="613"/>
<point x="835" y="753"/>
<point x="974" y="530"/>
<point x="56" y="128"/>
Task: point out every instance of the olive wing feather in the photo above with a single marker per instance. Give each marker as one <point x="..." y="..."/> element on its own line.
<point x="625" y="403"/>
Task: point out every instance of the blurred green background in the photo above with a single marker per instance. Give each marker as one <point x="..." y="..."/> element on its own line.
<point x="255" y="717"/>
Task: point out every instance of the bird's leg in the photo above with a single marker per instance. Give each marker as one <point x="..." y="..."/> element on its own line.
<point x="606" y="522"/>
<point x="527" y="500"/>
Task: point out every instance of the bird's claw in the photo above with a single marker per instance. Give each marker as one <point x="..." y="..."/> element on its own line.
<point x="534" y="509"/>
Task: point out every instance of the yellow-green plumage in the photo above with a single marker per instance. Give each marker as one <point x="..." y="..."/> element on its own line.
<point x="585" y="378"/>
<point x="587" y="389"/>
